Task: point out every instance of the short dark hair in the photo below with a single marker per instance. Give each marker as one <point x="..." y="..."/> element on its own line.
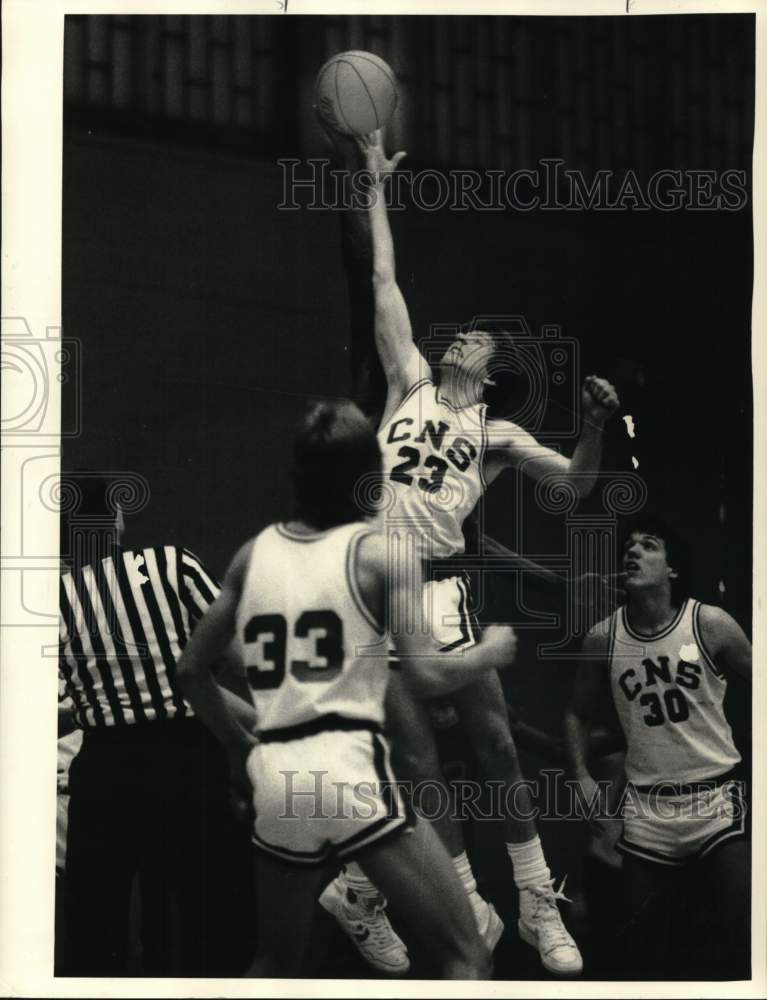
<point x="87" y="517"/>
<point x="676" y="546"/>
<point x="335" y="457"/>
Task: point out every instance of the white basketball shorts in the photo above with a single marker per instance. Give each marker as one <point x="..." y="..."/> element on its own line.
<point x="675" y="829"/>
<point x="328" y="793"/>
<point x="447" y="609"/>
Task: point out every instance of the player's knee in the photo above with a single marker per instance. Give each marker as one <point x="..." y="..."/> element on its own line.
<point x="415" y="763"/>
<point x="497" y="750"/>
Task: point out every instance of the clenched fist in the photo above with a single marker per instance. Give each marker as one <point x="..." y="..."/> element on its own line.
<point x="499" y="645"/>
<point x="599" y="400"/>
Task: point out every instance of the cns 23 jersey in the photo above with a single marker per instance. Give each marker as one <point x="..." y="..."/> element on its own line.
<point x="309" y="645"/>
<point x="432" y="459"/>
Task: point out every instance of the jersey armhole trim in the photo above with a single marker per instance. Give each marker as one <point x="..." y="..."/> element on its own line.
<point x="613" y="630"/>
<point x="611" y="642"/>
<point x="296" y="536"/>
<point x="483" y="448"/>
<point x="443" y="401"/>
<point x="351" y="579"/>
<point x="698" y="636"/>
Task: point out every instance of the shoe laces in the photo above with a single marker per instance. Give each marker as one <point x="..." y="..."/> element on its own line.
<point x="371" y="914"/>
<point x="547" y="911"/>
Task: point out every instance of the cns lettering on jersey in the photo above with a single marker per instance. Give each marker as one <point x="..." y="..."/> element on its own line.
<point x="460" y="453"/>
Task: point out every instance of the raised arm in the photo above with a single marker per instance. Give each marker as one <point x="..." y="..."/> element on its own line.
<point x="511" y="446"/>
<point x="230" y="718"/>
<point x="725" y="640"/>
<point x="402" y="363"/>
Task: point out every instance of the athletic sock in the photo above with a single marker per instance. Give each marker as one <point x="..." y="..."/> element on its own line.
<point x="358" y="884"/>
<point x="528" y="862"/>
<point x="464" y="872"/>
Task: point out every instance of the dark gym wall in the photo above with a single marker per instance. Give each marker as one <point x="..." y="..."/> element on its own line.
<point x="207" y="319"/>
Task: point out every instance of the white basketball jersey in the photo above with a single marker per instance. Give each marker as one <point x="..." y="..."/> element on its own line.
<point x="668" y="693"/>
<point x="432" y="463"/>
<point x="302" y="626"/>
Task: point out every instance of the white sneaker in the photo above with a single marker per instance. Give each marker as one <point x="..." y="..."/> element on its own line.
<point x="365" y="922"/>
<point x="489" y="924"/>
<point x="540" y="925"/>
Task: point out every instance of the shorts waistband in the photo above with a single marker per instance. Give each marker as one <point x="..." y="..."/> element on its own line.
<point x="443" y="569"/>
<point x="324" y="724"/>
<point x="667" y="788"/>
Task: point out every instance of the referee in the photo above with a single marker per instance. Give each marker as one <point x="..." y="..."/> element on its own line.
<point x="149" y="788"/>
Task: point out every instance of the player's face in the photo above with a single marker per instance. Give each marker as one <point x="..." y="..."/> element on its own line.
<point x="470" y="355"/>
<point x="645" y="562"/>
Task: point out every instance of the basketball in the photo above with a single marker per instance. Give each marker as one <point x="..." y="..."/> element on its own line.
<point x="356" y="92"/>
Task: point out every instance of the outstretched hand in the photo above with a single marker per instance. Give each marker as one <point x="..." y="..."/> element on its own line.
<point x="376" y="160"/>
<point x="361" y="151"/>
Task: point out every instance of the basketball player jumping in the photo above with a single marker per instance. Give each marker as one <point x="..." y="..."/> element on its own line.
<point x="665" y="659"/>
<point x="440" y="453"/>
<point x="303" y="601"/>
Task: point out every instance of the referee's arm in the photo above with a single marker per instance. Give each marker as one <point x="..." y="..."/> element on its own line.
<point x="226" y="715"/>
<point x="66" y="723"/>
<point x="200" y="589"/>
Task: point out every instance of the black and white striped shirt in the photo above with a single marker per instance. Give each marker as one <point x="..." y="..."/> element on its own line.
<point x="124" y="621"/>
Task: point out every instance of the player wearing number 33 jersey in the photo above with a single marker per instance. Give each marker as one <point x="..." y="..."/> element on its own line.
<point x="312" y="655"/>
<point x="308" y="643"/>
<point x="316" y="661"/>
<point x="302" y="602"/>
